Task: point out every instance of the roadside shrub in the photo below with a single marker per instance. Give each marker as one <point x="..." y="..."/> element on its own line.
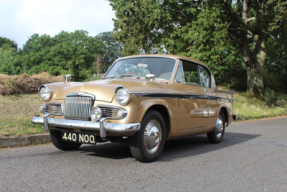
<point x="272" y="99"/>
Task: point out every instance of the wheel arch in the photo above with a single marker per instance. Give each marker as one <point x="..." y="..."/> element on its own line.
<point x="164" y="113"/>
<point x="225" y="112"/>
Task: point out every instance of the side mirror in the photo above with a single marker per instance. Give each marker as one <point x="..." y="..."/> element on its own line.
<point x="148" y="77"/>
<point x="68" y="77"/>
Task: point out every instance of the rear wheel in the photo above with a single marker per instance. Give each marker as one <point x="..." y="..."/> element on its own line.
<point x="57" y="141"/>
<point x="217" y="134"/>
<point x="148" y="143"/>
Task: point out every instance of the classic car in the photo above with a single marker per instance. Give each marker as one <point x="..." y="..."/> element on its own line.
<point x="143" y="100"/>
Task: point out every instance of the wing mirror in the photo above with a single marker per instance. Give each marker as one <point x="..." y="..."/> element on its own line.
<point x="68" y="77"/>
<point x="148" y="77"/>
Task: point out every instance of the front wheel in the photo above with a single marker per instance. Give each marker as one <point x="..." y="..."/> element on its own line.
<point x="217" y="134"/>
<point x="148" y="143"/>
<point x="57" y="141"/>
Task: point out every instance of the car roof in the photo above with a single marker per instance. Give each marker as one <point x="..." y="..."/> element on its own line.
<point x="166" y="56"/>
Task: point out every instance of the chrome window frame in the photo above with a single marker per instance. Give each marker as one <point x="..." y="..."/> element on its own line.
<point x="172" y="74"/>
<point x="198" y="64"/>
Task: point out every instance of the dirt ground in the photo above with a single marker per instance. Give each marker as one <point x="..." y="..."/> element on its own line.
<point x="15" y="84"/>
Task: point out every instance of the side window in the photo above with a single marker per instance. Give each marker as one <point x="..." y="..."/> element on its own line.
<point x="190" y="73"/>
<point x="204" y="76"/>
<point x="179" y="74"/>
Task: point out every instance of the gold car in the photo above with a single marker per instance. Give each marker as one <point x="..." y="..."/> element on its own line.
<point x="144" y="100"/>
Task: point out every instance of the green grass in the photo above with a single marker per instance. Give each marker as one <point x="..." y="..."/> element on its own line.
<point x="246" y="107"/>
<point x="16" y="111"/>
<point x="16" y="114"/>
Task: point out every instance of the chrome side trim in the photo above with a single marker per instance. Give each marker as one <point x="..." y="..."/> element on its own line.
<point x="88" y="125"/>
<point x="180" y="96"/>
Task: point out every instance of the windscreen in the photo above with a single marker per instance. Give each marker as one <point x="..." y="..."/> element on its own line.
<point x="162" y="68"/>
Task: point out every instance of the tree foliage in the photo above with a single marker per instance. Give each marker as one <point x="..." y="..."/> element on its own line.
<point x="6" y="43"/>
<point x="74" y="53"/>
<point x="112" y="49"/>
<point x="8" y="62"/>
<point x="226" y="34"/>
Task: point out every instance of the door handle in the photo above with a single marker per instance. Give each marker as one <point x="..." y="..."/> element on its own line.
<point x="204" y="90"/>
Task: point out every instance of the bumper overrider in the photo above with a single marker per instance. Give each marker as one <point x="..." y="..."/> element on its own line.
<point x="101" y="126"/>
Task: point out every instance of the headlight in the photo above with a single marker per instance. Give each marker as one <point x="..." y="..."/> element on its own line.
<point x="45" y="94"/>
<point x="122" y="96"/>
<point x="96" y="114"/>
<point x="42" y="108"/>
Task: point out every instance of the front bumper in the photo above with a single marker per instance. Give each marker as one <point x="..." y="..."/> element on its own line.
<point x="101" y="126"/>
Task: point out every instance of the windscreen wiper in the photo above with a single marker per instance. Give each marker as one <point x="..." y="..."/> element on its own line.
<point x="129" y="75"/>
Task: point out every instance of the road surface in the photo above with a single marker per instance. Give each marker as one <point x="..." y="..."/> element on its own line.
<point x="252" y="157"/>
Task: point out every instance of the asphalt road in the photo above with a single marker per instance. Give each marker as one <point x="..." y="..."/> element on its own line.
<point x="252" y="157"/>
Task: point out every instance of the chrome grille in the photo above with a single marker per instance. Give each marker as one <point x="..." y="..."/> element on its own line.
<point x="78" y="107"/>
<point x="53" y="108"/>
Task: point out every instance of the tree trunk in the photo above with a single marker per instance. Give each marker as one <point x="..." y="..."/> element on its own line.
<point x="250" y="78"/>
<point x="255" y="65"/>
<point x="250" y="66"/>
<point x="98" y="66"/>
<point x="259" y="61"/>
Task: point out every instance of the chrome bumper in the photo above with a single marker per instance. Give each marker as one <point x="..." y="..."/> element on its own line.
<point x="101" y="126"/>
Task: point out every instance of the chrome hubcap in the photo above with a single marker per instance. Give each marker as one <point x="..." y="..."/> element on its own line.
<point x="152" y="136"/>
<point x="219" y="127"/>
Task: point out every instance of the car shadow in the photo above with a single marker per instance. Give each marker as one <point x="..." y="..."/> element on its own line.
<point x="108" y="150"/>
<point x="198" y="145"/>
<point x="173" y="149"/>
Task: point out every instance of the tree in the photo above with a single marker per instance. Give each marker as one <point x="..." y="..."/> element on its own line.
<point x="34" y="57"/>
<point x="7" y="43"/>
<point x="246" y="25"/>
<point x="250" y="24"/>
<point x="8" y="62"/>
<point x="276" y="62"/>
<point x="73" y="53"/>
<point x="112" y="49"/>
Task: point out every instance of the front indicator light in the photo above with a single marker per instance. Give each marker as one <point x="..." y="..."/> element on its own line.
<point x="96" y="114"/>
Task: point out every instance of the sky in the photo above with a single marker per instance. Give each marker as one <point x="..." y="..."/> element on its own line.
<point x="20" y="19"/>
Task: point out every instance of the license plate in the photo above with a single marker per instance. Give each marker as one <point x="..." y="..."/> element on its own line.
<point x="75" y="137"/>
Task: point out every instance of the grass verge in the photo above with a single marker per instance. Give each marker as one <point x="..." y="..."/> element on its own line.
<point x="16" y="113"/>
<point x="246" y="106"/>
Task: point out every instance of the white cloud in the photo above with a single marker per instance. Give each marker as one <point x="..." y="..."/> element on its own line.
<point x="22" y="18"/>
